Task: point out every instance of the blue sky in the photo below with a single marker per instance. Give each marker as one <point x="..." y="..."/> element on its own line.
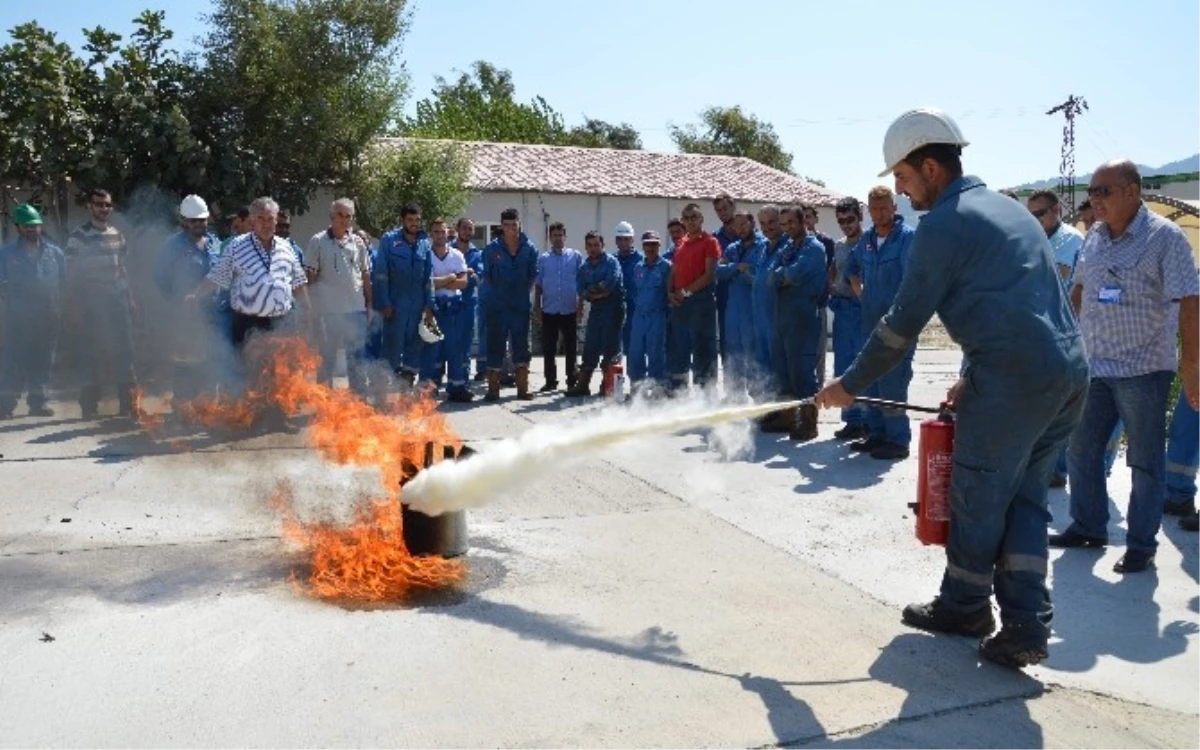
<point x="830" y="76"/>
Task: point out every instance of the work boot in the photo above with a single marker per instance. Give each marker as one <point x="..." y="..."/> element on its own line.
<point x="1181" y="508"/>
<point x="1190" y="523"/>
<point x="460" y="395"/>
<point x="41" y="410"/>
<point x="890" y="452"/>
<point x="128" y="397"/>
<point x="866" y="446"/>
<point x="804" y="428"/>
<point x="1015" y="646"/>
<point x="408" y="380"/>
<point x="583" y="385"/>
<point x="935" y="617"/>
<point x="522" y="375"/>
<point x="493" y="386"/>
<point x="852" y="432"/>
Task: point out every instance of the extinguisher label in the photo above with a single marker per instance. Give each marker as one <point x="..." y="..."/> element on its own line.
<point x="939" y="467"/>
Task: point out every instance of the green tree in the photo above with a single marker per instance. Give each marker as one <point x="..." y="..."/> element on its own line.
<point x="600" y="134"/>
<point x="731" y="132"/>
<point x="297" y="90"/>
<point x="45" y="130"/>
<point x="481" y="106"/>
<point x="432" y="174"/>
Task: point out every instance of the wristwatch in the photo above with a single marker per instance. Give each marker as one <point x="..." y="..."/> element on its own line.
<point x="685" y="293"/>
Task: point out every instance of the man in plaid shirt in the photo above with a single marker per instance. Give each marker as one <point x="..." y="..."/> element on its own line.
<point x="1135" y="288"/>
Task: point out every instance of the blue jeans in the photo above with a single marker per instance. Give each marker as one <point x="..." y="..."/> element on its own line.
<point x="1183" y="452"/>
<point x="27" y="357"/>
<point x="693" y="339"/>
<point x="1141" y="403"/>
<point x="106" y="338"/>
<point x="1110" y="453"/>
<point x="891" y="424"/>
<point x="847" y="343"/>
<point x="1003" y="458"/>
<point x="448" y="356"/>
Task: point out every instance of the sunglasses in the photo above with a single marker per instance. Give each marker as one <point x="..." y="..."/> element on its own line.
<point x="1040" y="213"/>
<point x="1101" y="191"/>
<point x="846" y="221"/>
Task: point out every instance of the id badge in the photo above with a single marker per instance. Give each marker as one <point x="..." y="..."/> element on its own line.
<point x="1109" y="295"/>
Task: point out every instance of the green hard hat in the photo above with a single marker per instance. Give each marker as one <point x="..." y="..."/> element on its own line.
<point x="27" y="214"/>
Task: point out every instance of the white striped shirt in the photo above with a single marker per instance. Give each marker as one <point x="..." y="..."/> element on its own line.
<point x="1131" y="291"/>
<point x="259" y="283"/>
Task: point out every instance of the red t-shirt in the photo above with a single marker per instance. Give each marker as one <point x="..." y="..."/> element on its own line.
<point x="690" y="255"/>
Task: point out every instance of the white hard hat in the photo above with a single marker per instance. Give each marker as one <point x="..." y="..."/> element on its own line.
<point x="624" y="229"/>
<point x="193" y="207"/>
<point x="429" y="335"/>
<point x="917" y="128"/>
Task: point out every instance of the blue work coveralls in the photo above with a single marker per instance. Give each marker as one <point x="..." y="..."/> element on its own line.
<point x="725" y="237"/>
<point x="979" y="261"/>
<point x="31" y="290"/>
<point x="472" y="298"/>
<point x="448" y="356"/>
<point x="763" y="294"/>
<point x="180" y="268"/>
<point x="508" y="283"/>
<point x="881" y="272"/>
<point x="798" y="277"/>
<point x="741" y="344"/>
<point x="628" y="262"/>
<point x="648" y="344"/>
<point x="403" y="281"/>
<point x="602" y="337"/>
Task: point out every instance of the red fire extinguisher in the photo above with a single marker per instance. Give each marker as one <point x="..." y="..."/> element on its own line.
<point x="936" y="463"/>
<point x="610" y="378"/>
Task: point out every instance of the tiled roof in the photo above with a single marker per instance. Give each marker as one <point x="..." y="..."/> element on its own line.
<point x="522" y="167"/>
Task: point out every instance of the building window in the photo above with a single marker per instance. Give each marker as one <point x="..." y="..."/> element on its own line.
<point x="484" y="233"/>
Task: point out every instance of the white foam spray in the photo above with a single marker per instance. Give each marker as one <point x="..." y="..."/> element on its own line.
<point x="500" y="467"/>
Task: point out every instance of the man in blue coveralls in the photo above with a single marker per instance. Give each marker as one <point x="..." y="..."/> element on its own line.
<point x="764" y="297"/>
<point x="600" y="283"/>
<point x="403" y="291"/>
<point x="648" y="345"/>
<point x="799" y="276"/>
<point x="847" y="312"/>
<point x="32" y="282"/>
<point x="183" y="263"/>
<point x="736" y="269"/>
<point x="509" y="270"/>
<point x="1021" y="394"/>
<point x="628" y="258"/>
<point x="876" y="267"/>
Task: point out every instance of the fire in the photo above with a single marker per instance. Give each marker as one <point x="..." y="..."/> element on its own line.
<point x="366" y="560"/>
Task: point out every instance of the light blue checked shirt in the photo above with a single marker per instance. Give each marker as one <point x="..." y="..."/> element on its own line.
<point x="1131" y="292"/>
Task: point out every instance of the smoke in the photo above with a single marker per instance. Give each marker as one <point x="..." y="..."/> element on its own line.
<point x="500" y="467"/>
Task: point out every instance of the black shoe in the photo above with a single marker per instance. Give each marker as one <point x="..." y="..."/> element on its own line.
<point x="1069" y="539"/>
<point x="40" y="411"/>
<point x="1190" y="523"/>
<point x="852" y="432"/>
<point x="1181" y="508"/>
<point x="1058" y="481"/>
<point x="481" y="376"/>
<point x="1134" y="561"/>
<point x="935" y="617"/>
<point x="89" y="412"/>
<point x="890" y="452"/>
<point x="549" y="387"/>
<point x="460" y="396"/>
<point x="1014" y="647"/>
<point x="868" y="445"/>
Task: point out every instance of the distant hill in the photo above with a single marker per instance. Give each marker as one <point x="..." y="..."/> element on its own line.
<point x="1190" y="164"/>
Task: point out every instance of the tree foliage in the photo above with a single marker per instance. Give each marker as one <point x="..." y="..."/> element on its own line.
<point x="600" y="134"/>
<point x="731" y="132"/>
<point x="431" y="174"/>
<point x="481" y="106"/>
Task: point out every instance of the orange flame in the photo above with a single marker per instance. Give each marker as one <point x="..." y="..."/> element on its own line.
<point x="367" y="560"/>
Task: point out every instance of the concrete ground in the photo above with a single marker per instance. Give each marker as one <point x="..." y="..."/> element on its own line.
<point x="652" y="595"/>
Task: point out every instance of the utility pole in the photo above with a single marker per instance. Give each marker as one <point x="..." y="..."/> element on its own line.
<point x="1073" y="106"/>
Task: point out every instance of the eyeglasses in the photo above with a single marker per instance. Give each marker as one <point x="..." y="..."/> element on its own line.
<point x="1040" y="212"/>
<point x="845" y="221"/>
<point x="1100" y="191"/>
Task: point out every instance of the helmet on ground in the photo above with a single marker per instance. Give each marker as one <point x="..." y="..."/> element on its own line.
<point x="624" y="229"/>
<point x="26" y="214"/>
<point x="430" y="335"/>
<point x="917" y="128"/>
<point x="193" y="207"/>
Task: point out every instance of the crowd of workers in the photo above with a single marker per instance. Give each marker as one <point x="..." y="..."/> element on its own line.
<point x="1066" y="338"/>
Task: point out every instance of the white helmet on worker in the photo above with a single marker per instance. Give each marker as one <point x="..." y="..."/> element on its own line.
<point x="917" y="128"/>
<point x="624" y="229"/>
<point x="429" y="334"/>
<point x="193" y="207"/>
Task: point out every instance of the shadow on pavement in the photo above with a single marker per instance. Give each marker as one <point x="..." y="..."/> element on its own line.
<point x="1094" y="617"/>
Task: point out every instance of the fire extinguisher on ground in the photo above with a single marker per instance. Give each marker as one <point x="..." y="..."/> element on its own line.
<point x="936" y="464"/>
